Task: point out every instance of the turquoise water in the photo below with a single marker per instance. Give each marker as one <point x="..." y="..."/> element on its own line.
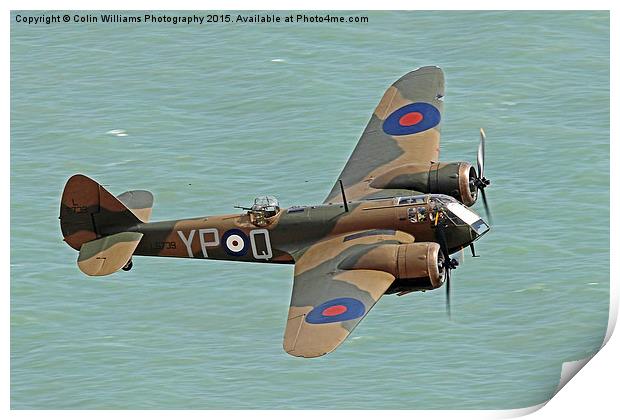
<point x="217" y="114"/>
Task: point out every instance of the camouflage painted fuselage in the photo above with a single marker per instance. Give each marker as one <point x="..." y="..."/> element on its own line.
<point x="288" y="233"/>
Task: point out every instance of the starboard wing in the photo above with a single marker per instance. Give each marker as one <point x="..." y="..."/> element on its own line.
<point x="328" y="302"/>
<point x="403" y="130"/>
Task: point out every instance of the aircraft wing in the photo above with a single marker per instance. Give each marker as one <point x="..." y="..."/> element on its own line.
<point x="404" y="129"/>
<point x="328" y="302"/>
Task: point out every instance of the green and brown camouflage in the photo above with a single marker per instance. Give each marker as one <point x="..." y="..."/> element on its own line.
<point x="390" y="230"/>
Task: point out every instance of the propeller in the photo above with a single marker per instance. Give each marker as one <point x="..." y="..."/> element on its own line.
<point x="480" y="182"/>
<point x="473" y="250"/>
<point x="447" y="263"/>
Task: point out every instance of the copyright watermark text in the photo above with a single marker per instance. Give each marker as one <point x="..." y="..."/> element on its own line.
<point x="189" y="19"/>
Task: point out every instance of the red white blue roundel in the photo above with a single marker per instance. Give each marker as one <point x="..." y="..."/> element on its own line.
<point x="336" y="310"/>
<point x="411" y="119"/>
<point x="235" y="242"/>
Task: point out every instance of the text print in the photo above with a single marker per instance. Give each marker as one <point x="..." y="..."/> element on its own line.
<point x="259" y="242"/>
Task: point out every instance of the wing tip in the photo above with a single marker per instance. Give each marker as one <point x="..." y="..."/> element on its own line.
<point x="422" y="71"/>
<point x="431" y="68"/>
<point x="307" y="354"/>
<point x="307" y="348"/>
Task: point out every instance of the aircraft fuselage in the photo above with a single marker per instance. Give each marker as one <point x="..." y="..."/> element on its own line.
<point x="235" y="237"/>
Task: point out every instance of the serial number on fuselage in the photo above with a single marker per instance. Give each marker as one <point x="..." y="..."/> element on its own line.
<point x="164" y="245"/>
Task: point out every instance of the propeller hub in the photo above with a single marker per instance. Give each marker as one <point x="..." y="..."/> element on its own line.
<point x="481" y="183"/>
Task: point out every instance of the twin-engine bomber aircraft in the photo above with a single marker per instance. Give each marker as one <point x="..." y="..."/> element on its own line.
<point x="389" y="225"/>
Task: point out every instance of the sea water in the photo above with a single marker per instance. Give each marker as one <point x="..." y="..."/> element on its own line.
<point x="209" y="116"/>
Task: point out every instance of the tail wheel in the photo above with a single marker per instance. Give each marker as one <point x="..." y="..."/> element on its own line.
<point x="128" y="266"/>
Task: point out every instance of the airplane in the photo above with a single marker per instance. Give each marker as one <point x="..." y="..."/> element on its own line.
<point x="389" y="225"/>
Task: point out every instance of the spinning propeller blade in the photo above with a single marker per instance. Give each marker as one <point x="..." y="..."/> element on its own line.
<point x="480" y="162"/>
<point x="448" y="263"/>
<point x="480" y="181"/>
<point x="486" y="206"/>
<point x="448" y="311"/>
<point x="473" y="251"/>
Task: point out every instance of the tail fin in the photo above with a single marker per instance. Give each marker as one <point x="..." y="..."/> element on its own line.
<point x="96" y="223"/>
<point x="88" y="212"/>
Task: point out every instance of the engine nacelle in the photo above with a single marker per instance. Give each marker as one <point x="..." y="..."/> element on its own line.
<point x="452" y="178"/>
<point x="416" y="266"/>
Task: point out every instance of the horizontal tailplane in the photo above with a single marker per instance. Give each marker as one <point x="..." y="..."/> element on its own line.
<point x="109" y="254"/>
<point x="140" y="203"/>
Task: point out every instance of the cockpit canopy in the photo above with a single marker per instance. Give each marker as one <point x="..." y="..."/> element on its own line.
<point x="443" y="206"/>
<point x="266" y="204"/>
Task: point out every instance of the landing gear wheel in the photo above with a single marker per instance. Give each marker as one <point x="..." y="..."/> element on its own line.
<point x="128" y="266"/>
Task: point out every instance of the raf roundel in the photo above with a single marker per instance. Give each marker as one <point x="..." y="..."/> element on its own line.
<point x="235" y="242"/>
<point x="336" y="310"/>
<point x="411" y="119"/>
